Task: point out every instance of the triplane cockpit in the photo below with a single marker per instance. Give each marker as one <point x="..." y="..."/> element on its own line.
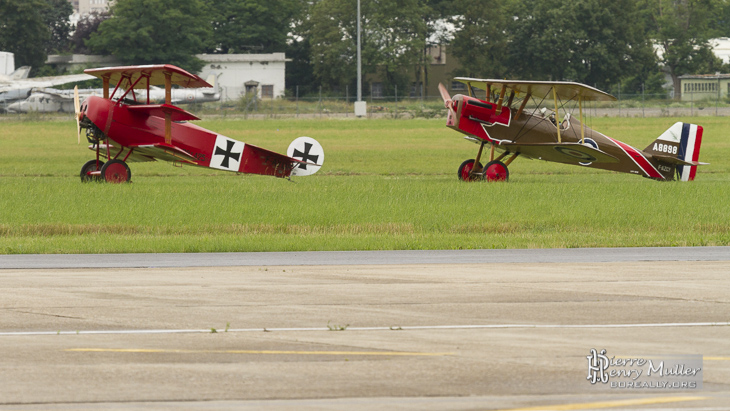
<point x="124" y="129"/>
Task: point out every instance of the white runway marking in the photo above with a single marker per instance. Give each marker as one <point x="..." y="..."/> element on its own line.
<point x="391" y="328"/>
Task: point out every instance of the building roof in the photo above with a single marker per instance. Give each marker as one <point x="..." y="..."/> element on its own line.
<point x="716" y="76"/>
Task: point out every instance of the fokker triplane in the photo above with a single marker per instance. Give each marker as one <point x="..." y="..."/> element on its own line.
<point x="502" y="124"/>
<point x="122" y="129"/>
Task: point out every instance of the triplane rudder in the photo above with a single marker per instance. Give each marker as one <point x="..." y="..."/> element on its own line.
<point x="503" y="125"/>
<point x="121" y="128"/>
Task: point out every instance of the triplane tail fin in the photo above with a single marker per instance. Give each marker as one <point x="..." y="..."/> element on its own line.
<point x="309" y="153"/>
<point x="679" y="146"/>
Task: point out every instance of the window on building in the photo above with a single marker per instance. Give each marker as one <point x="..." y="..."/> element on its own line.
<point x="267" y="91"/>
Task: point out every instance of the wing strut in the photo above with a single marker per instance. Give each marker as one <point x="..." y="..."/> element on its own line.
<point x="582" y="128"/>
<point x="557" y="124"/>
<point x="524" y="103"/>
<point x="501" y="99"/>
<point x="105" y="81"/>
<point x="168" y="100"/>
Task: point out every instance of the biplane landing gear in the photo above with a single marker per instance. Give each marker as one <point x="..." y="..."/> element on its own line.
<point x="116" y="171"/>
<point x="496" y="171"/>
<point x="87" y="168"/>
<point x="466" y="168"/>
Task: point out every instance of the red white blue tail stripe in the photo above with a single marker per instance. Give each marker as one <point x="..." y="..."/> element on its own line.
<point x="689" y="150"/>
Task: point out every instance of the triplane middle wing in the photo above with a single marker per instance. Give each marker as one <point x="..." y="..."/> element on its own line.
<point x="502" y="122"/>
<point x="122" y="129"/>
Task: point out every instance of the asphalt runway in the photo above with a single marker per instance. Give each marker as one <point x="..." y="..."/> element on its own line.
<point x="462" y="330"/>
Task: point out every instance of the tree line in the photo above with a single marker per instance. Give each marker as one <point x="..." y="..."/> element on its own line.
<point x="633" y="43"/>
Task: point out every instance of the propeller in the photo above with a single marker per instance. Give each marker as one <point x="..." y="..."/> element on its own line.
<point x="448" y="103"/>
<point x="445" y="95"/>
<point x="77" y="110"/>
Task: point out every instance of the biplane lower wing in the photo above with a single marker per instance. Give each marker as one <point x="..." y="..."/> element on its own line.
<point x="570" y="153"/>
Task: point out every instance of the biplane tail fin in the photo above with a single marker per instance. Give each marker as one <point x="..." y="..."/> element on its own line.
<point x="679" y="146"/>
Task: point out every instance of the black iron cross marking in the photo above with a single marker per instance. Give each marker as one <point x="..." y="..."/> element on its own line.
<point x="305" y="155"/>
<point x="227" y="153"/>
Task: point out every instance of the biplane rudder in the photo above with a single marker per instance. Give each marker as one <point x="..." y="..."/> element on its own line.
<point x="679" y="147"/>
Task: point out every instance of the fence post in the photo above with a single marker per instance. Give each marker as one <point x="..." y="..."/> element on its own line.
<point x="643" y="114"/>
<point x="717" y="101"/>
<point x="396" y="101"/>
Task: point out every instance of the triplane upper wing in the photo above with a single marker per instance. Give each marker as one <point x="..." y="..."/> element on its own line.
<point x="501" y="122"/>
<point x="153" y="75"/>
<point x="120" y="128"/>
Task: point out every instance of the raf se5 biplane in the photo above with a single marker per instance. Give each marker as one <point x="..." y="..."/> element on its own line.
<point x="122" y="129"/>
<point x="502" y="123"/>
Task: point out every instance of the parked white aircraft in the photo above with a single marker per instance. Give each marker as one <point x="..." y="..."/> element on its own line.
<point x="49" y="100"/>
<point x="17" y="86"/>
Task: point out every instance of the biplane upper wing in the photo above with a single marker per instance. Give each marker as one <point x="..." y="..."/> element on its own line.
<point x="155" y="73"/>
<point x="564" y="89"/>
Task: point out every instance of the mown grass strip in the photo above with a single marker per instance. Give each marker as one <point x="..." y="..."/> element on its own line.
<point x="386" y="185"/>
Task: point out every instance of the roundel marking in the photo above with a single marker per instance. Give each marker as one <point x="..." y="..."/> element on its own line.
<point x="585" y="157"/>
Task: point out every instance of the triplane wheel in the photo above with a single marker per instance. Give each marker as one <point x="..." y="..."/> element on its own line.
<point x="87" y="168"/>
<point x="466" y="168"/>
<point x="116" y="171"/>
<point x="496" y="171"/>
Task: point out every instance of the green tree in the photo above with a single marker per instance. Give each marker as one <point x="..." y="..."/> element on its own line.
<point x="86" y="26"/>
<point x="56" y="18"/>
<point x="23" y="31"/>
<point x="589" y="41"/>
<point x="682" y="29"/>
<point x="393" y="38"/>
<point x="155" y="32"/>
<point x="480" y="40"/>
<point x="241" y="26"/>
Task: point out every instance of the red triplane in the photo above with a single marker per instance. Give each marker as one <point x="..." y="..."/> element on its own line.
<point x="122" y="129"/>
<point x="502" y="123"/>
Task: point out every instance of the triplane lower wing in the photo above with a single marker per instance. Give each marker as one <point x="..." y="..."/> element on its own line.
<point x="123" y="129"/>
<point x="502" y="123"/>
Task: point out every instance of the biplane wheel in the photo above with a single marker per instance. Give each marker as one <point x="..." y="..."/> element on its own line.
<point x="88" y="167"/>
<point x="496" y="171"/>
<point x="465" y="169"/>
<point x="116" y="171"/>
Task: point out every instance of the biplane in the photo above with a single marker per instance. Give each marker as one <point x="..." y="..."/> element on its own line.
<point x="502" y="124"/>
<point x="122" y="129"/>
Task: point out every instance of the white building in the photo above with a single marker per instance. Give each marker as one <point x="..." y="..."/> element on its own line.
<point x="243" y="74"/>
<point x="7" y="63"/>
<point x="721" y="48"/>
<point x="89" y="6"/>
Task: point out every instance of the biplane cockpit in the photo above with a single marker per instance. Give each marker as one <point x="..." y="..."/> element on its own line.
<point x="520" y="118"/>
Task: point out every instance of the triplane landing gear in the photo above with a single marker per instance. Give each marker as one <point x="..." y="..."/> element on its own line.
<point x="113" y="171"/>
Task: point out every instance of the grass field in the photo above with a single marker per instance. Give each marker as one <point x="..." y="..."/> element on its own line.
<point x="385" y="184"/>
